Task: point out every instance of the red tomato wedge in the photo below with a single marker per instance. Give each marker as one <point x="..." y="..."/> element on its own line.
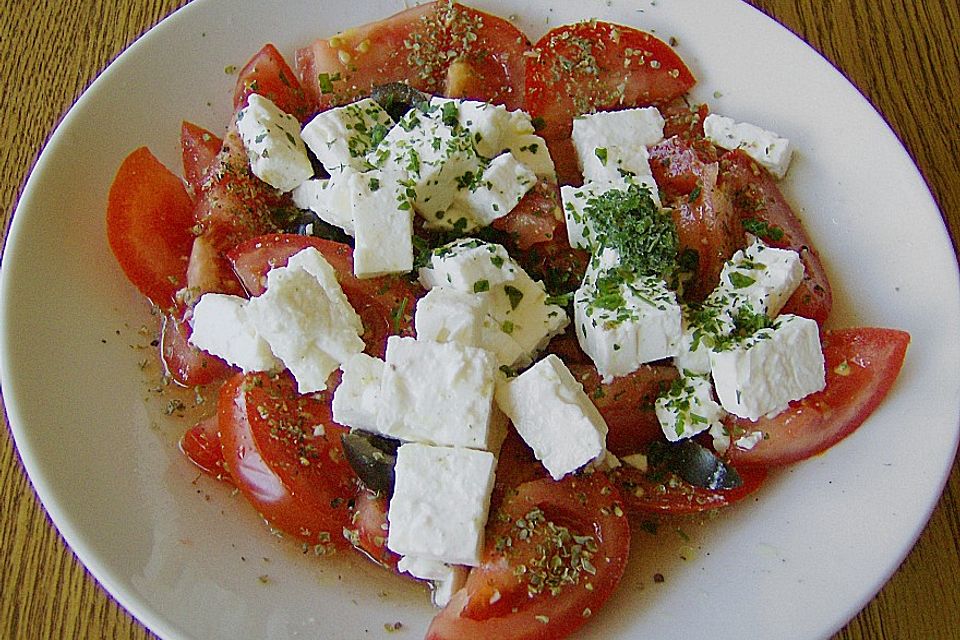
<point x="368" y="534"/>
<point x="597" y="66"/>
<point x="269" y="75"/>
<point x="439" y="47"/>
<point x="150" y="226"/>
<point x="649" y="493"/>
<point x="183" y="362"/>
<point x="626" y="404"/>
<point x="764" y="211"/>
<point x="536" y="218"/>
<point x="199" y="149"/>
<point x="862" y="364"/>
<point x="201" y="445"/>
<point x="283" y="452"/>
<point x="573" y="539"/>
<point x="385" y="304"/>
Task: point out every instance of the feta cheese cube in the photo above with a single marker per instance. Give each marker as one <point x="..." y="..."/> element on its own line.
<point x="222" y="327"/>
<point x="306" y="319"/>
<point x="447" y="579"/>
<point x="767" y="148"/>
<point x="503" y="184"/>
<point x="439" y="393"/>
<point x="688" y="408"/>
<point x="693" y="352"/>
<point x="623" y="324"/>
<point x="383" y="224"/>
<point x="766" y="371"/>
<point x="356" y="401"/>
<point x="449" y="315"/>
<point x="577" y="207"/>
<point x="274" y="147"/>
<point x="440" y="503"/>
<point x="554" y="416"/>
<point x="469" y="265"/>
<point x="531" y="150"/>
<point x="329" y="198"/>
<point x="760" y="276"/>
<point x="612" y="145"/>
<point x="344" y="136"/>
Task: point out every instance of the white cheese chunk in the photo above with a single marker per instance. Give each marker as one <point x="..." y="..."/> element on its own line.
<point x="581" y="229"/>
<point x="612" y="145"/>
<point x="688" y="408"/>
<point x="693" y="352"/>
<point x="554" y="416"/>
<point x="222" y="327"/>
<point x="273" y="144"/>
<point x="356" y="401"/>
<point x="767" y="148"/>
<point x="440" y="503"/>
<point x="383" y="224"/>
<point x="306" y="319"/>
<point x="439" y="393"/>
<point x="449" y="315"/>
<point x="531" y="150"/>
<point x="759" y="276"/>
<point x="469" y="265"/>
<point x="344" y="136"/>
<point x="329" y="198"/>
<point x="502" y="185"/>
<point x="623" y="324"/>
<point x="446" y="579"/>
<point x="760" y="375"/>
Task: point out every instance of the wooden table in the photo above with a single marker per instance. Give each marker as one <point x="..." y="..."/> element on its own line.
<point x="903" y="54"/>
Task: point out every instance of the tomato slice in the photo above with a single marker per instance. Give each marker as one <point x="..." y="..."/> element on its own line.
<point x="664" y="493"/>
<point x="385" y="304"/>
<point x="555" y="552"/>
<point x="596" y="66"/>
<point x="861" y="365"/>
<point x="183" y="362"/>
<point x="269" y="75"/>
<point x="284" y="453"/>
<point x="368" y="534"/>
<point x="438" y="47"/>
<point x="149" y="226"/>
<point x="626" y="404"/>
<point x="536" y="218"/>
<point x="707" y="223"/>
<point x="764" y="211"/>
<point x="199" y="149"/>
<point x="201" y="444"/>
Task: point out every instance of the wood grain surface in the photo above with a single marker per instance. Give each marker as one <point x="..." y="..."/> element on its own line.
<point x="904" y="55"/>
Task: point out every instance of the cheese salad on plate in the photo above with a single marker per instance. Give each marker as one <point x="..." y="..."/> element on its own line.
<point x="473" y="305"/>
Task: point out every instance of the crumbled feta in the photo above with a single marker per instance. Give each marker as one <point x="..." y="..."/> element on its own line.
<point x="606" y="153"/>
<point x="449" y="315"/>
<point x="761" y="374"/>
<point x="501" y="186"/>
<point x="306" y="319"/>
<point x="760" y="276"/>
<point x="222" y="327"/>
<point x="531" y="150"/>
<point x="554" y="416"/>
<point x="356" y="401"/>
<point x="383" y="224"/>
<point x="344" y="136"/>
<point x="439" y="393"/>
<point x="329" y="198"/>
<point x="688" y="408"/>
<point x="440" y="503"/>
<point x="581" y="230"/>
<point x="447" y="579"/>
<point x="274" y="147"/>
<point x="767" y="148"/>
<point x="470" y="266"/>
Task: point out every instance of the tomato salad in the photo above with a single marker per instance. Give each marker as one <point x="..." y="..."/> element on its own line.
<point x="555" y="544"/>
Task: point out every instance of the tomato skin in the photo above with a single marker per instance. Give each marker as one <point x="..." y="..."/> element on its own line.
<point x="613" y="67"/>
<point x="149" y="226"/>
<point x="199" y="149"/>
<point x="626" y="404"/>
<point x="495" y="602"/>
<point x="438" y="47"/>
<point x="385" y="304"/>
<point x="756" y="196"/>
<point x="370" y="528"/>
<point x="299" y="482"/>
<point x="201" y="445"/>
<point x="536" y="218"/>
<point x="862" y="365"/>
<point x="666" y="494"/>
<point x="269" y="75"/>
<point x="183" y="362"/>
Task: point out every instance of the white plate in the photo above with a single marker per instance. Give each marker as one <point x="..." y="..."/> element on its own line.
<point x="186" y="557"/>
